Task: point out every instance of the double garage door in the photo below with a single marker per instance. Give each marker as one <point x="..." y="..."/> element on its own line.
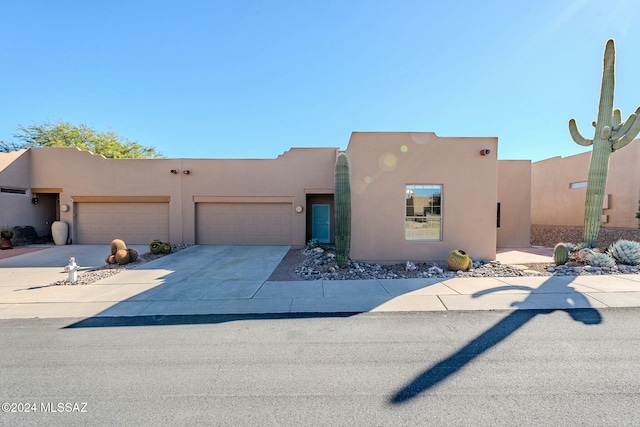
<point x="243" y="223"/>
<point x="216" y="223"/>
<point x="136" y="223"/>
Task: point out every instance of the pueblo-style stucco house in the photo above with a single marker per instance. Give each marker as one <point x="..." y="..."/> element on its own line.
<point x="559" y="186"/>
<point x="414" y="196"/>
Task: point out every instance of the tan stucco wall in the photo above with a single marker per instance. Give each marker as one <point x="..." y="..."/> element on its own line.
<point x="80" y="173"/>
<point x="14" y="169"/>
<point x="514" y="196"/>
<point x="382" y="164"/>
<point x="16" y="209"/>
<point x="287" y="176"/>
<point x="554" y="203"/>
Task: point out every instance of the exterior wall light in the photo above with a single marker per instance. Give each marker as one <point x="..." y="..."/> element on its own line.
<point x="485" y="152"/>
<point x="173" y="171"/>
<point x="64" y="208"/>
<point x="186" y="172"/>
<point x="299" y="209"/>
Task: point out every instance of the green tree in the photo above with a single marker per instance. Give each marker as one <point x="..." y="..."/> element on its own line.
<point x="64" y="134"/>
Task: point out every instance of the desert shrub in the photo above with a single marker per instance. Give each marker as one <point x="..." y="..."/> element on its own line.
<point x="599" y="259"/>
<point x="625" y="252"/>
<point x="313" y="243"/>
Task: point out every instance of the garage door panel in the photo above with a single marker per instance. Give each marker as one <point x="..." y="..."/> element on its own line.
<point x="135" y="223"/>
<point x="244" y="223"/>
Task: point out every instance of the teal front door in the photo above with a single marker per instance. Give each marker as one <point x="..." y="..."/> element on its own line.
<point x="321" y="222"/>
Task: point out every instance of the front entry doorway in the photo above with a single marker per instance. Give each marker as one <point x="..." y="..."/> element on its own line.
<point x="321" y="222"/>
<point x="319" y="218"/>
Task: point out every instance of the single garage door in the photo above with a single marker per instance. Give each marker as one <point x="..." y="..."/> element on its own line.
<point x="243" y="223"/>
<point x="135" y="223"/>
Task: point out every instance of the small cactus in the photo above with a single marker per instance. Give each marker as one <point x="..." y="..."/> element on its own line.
<point x="122" y="257"/>
<point x="571" y="246"/>
<point x="458" y="260"/>
<point x="166" y="248"/>
<point x="155" y="247"/>
<point x="560" y="254"/>
<point x="585" y="245"/>
<point x="626" y="252"/>
<point x="116" y="245"/>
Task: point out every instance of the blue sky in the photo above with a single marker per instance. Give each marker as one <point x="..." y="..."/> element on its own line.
<point x="252" y="78"/>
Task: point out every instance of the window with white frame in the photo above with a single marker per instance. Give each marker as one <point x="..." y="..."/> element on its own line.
<point x="423" y="213"/>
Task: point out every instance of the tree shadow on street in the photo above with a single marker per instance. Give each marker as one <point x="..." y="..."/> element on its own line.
<point x="568" y="300"/>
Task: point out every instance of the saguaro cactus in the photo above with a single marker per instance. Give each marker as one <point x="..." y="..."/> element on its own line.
<point x="610" y="134"/>
<point x="343" y="210"/>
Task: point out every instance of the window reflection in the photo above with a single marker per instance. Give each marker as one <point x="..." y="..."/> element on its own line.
<point x="423" y="217"/>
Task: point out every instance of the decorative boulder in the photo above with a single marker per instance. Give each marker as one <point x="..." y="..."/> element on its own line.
<point x="133" y="255"/>
<point x="116" y="245"/>
<point x="122" y="257"/>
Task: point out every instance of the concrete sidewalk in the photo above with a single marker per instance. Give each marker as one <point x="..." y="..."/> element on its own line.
<point x="234" y="280"/>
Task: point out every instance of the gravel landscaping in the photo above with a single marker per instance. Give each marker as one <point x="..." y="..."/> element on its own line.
<point x="319" y="264"/>
<point x="108" y="270"/>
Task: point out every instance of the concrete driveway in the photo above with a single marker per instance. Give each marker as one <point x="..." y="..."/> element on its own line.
<point x="45" y="265"/>
<point x="171" y="284"/>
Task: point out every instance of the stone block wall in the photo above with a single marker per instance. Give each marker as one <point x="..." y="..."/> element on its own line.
<point x="549" y="235"/>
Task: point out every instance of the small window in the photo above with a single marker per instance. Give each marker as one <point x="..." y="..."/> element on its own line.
<point x="13" y="190"/>
<point x="581" y="184"/>
<point x="423" y="212"/>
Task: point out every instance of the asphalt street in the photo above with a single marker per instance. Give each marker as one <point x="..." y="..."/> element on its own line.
<point x="556" y="367"/>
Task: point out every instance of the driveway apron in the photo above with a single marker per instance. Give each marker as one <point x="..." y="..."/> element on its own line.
<point x="212" y="272"/>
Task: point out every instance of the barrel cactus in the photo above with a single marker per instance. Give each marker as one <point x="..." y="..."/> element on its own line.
<point x="560" y="254"/>
<point x="155" y="246"/>
<point x="626" y="252"/>
<point x="458" y="260"/>
<point x="342" y="210"/>
<point x="599" y="259"/>
<point x="159" y="247"/>
<point x="122" y="257"/>
<point x="116" y="245"/>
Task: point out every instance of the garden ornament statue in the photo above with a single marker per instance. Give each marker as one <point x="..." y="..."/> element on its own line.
<point x="611" y="134"/>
